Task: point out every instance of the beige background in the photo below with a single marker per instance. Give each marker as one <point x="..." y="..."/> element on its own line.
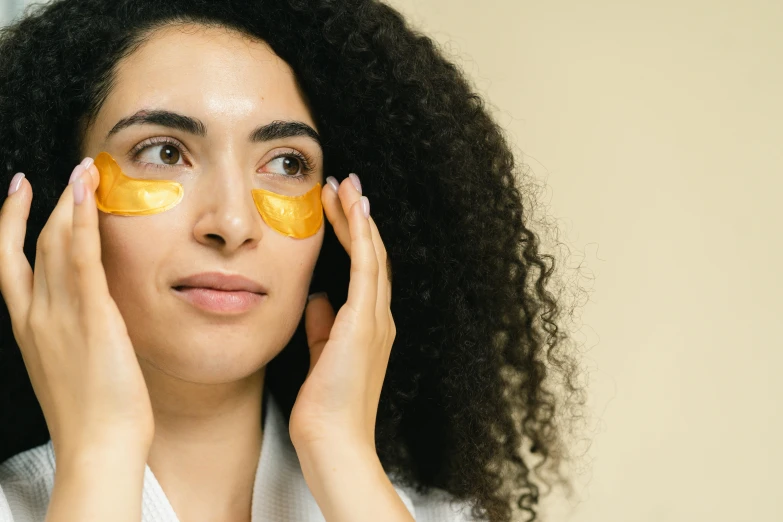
<point x="656" y="129"/>
<point x="9" y="9"/>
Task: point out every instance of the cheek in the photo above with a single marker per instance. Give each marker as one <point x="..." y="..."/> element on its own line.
<point x="286" y="266"/>
<point x="129" y="257"/>
<point x="295" y="260"/>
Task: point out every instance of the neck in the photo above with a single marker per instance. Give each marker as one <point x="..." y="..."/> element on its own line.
<point x="207" y="443"/>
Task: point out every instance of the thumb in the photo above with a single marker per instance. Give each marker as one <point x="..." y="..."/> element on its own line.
<point x="319" y="318"/>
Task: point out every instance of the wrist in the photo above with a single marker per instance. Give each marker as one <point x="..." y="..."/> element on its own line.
<point x="325" y="441"/>
<point x="349" y="483"/>
<point x="345" y="451"/>
<point x="98" y="483"/>
<point x="102" y="457"/>
<point x="331" y="448"/>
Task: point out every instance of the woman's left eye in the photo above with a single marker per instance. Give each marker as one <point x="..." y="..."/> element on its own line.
<point x="288" y="164"/>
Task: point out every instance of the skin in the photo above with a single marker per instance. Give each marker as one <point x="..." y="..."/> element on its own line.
<point x="195" y="417"/>
<point x="205" y="376"/>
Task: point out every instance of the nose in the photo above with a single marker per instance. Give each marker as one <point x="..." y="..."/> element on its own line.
<point x="226" y="217"/>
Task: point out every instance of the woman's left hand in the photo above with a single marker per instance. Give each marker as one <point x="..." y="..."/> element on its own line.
<point x="349" y="353"/>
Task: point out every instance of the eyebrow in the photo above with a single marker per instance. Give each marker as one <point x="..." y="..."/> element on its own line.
<point x="275" y="130"/>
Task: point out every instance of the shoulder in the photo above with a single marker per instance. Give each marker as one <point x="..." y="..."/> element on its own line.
<point x="26" y="482"/>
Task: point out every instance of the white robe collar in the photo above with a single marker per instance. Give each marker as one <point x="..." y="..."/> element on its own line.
<point x="280" y="492"/>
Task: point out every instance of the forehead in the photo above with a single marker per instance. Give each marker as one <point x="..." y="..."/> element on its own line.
<point x="216" y="74"/>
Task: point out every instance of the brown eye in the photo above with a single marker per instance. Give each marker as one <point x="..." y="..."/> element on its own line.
<point x="291" y="165"/>
<point x="169" y="155"/>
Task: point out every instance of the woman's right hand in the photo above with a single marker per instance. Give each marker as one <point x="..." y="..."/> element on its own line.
<point x="73" y="339"/>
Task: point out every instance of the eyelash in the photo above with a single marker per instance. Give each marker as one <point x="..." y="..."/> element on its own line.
<point x="305" y="160"/>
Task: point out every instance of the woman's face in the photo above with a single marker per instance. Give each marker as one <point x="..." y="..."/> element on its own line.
<point x="232" y="86"/>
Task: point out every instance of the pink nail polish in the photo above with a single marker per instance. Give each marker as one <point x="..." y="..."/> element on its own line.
<point x="365" y="206"/>
<point x="332" y="181"/>
<point x="76" y="173"/>
<point x="86" y="162"/>
<point x="79" y="191"/>
<point x="356" y="182"/>
<point x="16" y="182"/>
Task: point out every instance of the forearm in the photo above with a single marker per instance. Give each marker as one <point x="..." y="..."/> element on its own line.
<point x="350" y="485"/>
<point x="98" y="485"/>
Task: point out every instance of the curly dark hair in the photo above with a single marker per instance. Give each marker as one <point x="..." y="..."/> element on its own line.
<point x="468" y="402"/>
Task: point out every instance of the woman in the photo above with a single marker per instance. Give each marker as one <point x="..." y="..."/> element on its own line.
<point x="172" y="353"/>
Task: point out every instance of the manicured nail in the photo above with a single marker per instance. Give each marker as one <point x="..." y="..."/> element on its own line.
<point x="316" y="294"/>
<point x="356" y="182"/>
<point x="16" y="182"/>
<point x="79" y="191"/>
<point x="332" y="181"/>
<point x="365" y="206"/>
<point x="86" y="162"/>
<point x="76" y="172"/>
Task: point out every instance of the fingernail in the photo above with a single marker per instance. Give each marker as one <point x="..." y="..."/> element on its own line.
<point x="365" y="206"/>
<point x="332" y="181"/>
<point x="356" y="182"/>
<point x="79" y="191"/>
<point x="16" y="182"/>
<point x="315" y="295"/>
<point x="76" y="172"/>
<point x="86" y="162"/>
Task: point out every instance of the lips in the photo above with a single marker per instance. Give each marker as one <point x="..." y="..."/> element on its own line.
<point x="219" y="301"/>
<point x="224" y="282"/>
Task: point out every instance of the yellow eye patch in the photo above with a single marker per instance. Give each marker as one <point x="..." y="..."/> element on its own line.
<point x="294" y="216"/>
<point x="124" y="196"/>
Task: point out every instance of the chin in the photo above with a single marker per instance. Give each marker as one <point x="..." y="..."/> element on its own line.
<point x="207" y="362"/>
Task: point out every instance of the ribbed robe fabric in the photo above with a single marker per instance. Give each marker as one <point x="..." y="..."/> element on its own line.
<point x="280" y="493"/>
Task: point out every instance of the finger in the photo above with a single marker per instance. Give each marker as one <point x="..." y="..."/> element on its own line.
<point x="89" y="274"/>
<point x="319" y="318"/>
<point x="335" y="214"/>
<point x="16" y="275"/>
<point x="384" y="276"/>
<point x="55" y="249"/>
<point x="363" y="286"/>
<point x="95" y="176"/>
<point x="350" y="192"/>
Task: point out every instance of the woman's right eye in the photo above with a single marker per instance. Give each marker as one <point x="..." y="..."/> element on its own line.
<point x="160" y="155"/>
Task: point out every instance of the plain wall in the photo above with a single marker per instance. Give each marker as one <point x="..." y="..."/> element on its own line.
<point x="658" y="130"/>
<point x="10" y="9"/>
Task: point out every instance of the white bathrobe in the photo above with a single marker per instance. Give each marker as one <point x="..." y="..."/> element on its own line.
<point x="280" y="493"/>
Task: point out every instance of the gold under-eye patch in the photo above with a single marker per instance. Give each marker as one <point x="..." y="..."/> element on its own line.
<point x="294" y="216"/>
<point x="124" y="196"/>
